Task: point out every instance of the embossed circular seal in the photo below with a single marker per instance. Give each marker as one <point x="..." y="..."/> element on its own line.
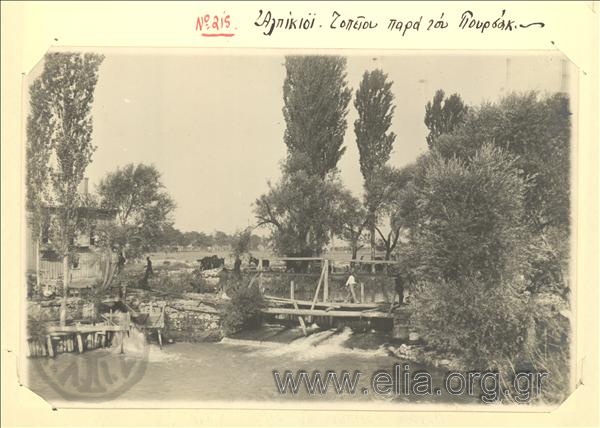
<point x="96" y="375"/>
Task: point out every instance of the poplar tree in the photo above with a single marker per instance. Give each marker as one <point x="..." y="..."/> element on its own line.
<point x="375" y="105"/>
<point x="59" y="149"/>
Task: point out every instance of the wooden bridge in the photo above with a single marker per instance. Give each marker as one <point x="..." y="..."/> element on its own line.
<point x="326" y="300"/>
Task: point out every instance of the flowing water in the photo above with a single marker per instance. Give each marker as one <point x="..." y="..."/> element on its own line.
<point x="242" y="369"/>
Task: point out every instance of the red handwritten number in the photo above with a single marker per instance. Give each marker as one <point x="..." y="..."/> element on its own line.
<point x="208" y="23"/>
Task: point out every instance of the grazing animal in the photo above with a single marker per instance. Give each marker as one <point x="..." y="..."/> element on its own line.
<point x="212" y="262"/>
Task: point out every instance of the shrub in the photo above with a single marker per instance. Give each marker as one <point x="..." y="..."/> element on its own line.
<point x="175" y="285"/>
<point x="470" y="244"/>
<point x="484" y="326"/>
<point x="193" y="280"/>
<point x="244" y="309"/>
<point x="471" y="217"/>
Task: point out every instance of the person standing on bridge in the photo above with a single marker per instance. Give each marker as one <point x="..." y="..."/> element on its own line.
<point x="350" y="283"/>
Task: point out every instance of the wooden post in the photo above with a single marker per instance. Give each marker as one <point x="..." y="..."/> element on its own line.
<point x="316" y="298"/>
<point x="159" y="339"/>
<point x="326" y="281"/>
<point x="122" y="342"/>
<point x="79" y="343"/>
<point x="362" y="292"/>
<point x="260" y="278"/>
<point x="103" y="343"/>
<point x="292" y="291"/>
<point x="37" y="265"/>
<point x="317" y="292"/>
<point x="50" y="347"/>
<point x="302" y="324"/>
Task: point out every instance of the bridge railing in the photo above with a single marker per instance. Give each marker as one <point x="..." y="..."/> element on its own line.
<point x="327" y="284"/>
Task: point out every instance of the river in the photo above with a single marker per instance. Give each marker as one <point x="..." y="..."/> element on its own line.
<point x="242" y="370"/>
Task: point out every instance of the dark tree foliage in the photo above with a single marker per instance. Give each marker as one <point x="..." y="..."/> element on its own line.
<point x="316" y="97"/>
<point x="443" y="115"/>
<point x="470" y="218"/>
<point x="488" y="214"/>
<point x="353" y="221"/>
<point x="538" y="132"/>
<point x="374" y="104"/>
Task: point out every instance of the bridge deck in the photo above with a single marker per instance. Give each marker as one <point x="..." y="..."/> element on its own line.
<point x="326" y="313"/>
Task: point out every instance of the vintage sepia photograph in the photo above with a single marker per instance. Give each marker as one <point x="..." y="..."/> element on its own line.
<point x="298" y="228"/>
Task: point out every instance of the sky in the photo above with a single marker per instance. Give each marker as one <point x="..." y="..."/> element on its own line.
<point x="212" y="123"/>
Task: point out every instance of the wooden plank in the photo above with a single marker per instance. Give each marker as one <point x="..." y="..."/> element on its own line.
<point x="50" y="346"/>
<point x="253" y="279"/>
<point x="82" y="329"/>
<point x="79" y="343"/>
<point x="302" y="325"/>
<point x="317" y="292"/>
<point x="323" y="313"/>
<point x="326" y="281"/>
<point x="335" y="305"/>
<point x="370" y="262"/>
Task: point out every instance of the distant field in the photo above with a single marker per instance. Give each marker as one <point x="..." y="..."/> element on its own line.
<point x="193" y="256"/>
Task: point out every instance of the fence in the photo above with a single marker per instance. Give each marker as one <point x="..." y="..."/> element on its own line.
<point x="89" y="266"/>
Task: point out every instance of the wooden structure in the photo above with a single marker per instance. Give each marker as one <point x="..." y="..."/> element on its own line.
<point x="321" y="304"/>
<point x="150" y="319"/>
<point x="90" y="263"/>
<point x="81" y="337"/>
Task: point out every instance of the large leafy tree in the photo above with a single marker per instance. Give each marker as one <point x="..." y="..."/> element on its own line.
<point x="302" y="211"/>
<point x="315" y="98"/>
<point x="59" y="149"/>
<point x="537" y="131"/>
<point x="443" y="115"/>
<point x="144" y="208"/>
<point x="374" y="103"/>
<point x="488" y="214"/>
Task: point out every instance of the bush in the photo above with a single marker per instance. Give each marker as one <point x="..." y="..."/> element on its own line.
<point x="484" y="325"/>
<point x="244" y="309"/>
<point x="471" y="218"/>
<point x="194" y="280"/>
<point x="174" y="285"/>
